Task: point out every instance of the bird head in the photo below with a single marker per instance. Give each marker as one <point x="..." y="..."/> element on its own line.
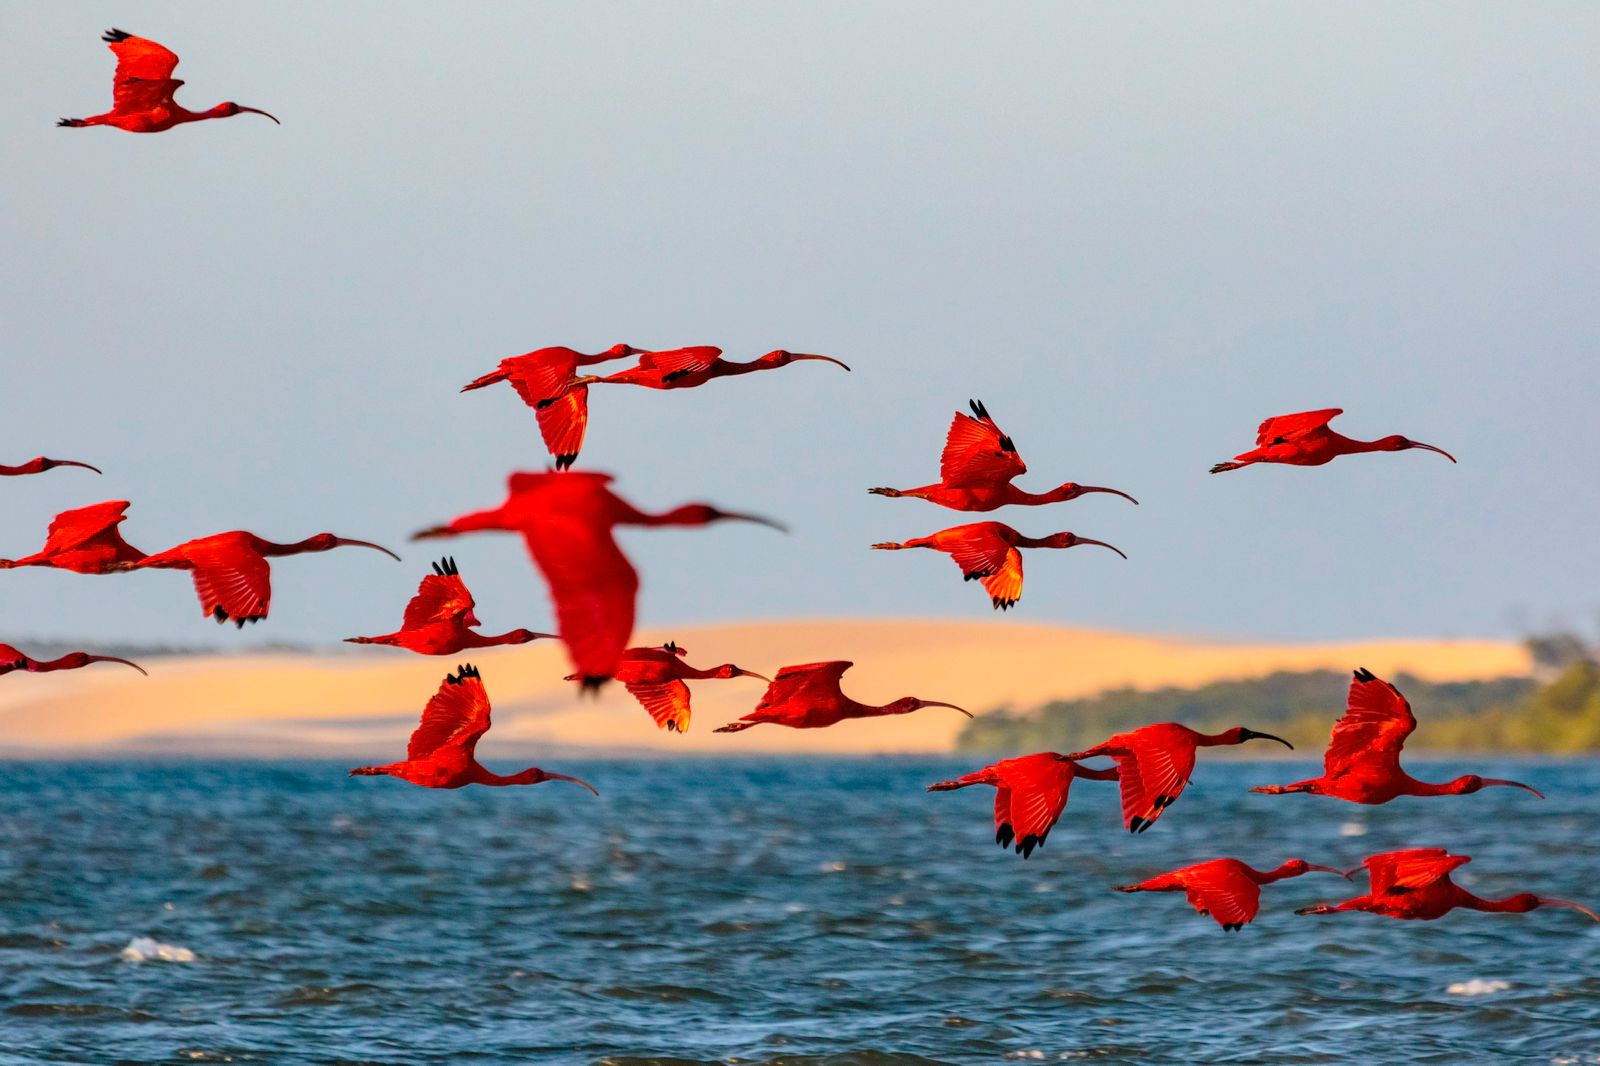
<point x="327" y="542"/>
<point x="227" y="109"/>
<point x="911" y="703"/>
<point x="1239" y="734"/>
<point x="1398" y="443"/>
<point x="779" y="357"/>
<point x="1072" y="540"/>
<point x="623" y="351"/>
<point x="1527" y="901"/>
<point x="51" y="464"/>
<point x="704" y="514"/>
<point x="727" y="671"/>
<point x="79" y="659"/>
<point x="1296" y="867"/>
<point x="533" y="776"/>
<point x="1469" y="783"/>
<point x="1071" y="490"/>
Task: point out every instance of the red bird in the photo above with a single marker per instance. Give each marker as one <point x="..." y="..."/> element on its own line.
<point x="231" y="573"/>
<point x="1304" y="439"/>
<point x="440" y="617"/>
<point x="566" y="521"/>
<point x="685" y="368"/>
<point x="1030" y="794"/>
<point x="809" y="697"/>
<point x="655" y="677"/>
<point x="544" y="380"/>
<point x="1156" y="761"/>
<point x="141" y="91"/>
<point x="976" y="469"/>
<point x="1416" y="885"/>
<point x="86" y="541"/>
<point x="12" y="659"/>
<point x="1225" y="889"/>
<point x="987" y="552"/>
<point x="443" y="750"/>
<point x="39" y="465"/>
<point x="1362" y="763"/>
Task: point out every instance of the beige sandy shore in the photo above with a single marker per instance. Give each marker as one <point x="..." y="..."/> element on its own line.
<point x="367" y="701"/>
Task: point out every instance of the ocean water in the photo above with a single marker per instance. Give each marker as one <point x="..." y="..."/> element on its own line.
<point x="789" y="911"/>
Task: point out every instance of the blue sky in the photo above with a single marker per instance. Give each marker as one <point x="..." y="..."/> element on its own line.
<point x="1133" y="233"/>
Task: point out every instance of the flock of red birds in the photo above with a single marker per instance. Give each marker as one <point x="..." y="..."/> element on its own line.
<point x="566" y="519"/>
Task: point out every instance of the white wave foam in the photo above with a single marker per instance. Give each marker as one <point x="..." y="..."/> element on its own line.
<point x="143" y="948"/>
<point x="1353" y="829"/>
<point x="1477" y="987"/>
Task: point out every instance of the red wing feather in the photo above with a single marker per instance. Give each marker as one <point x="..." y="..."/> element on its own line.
<point x="1038" y="787"/>
<point x="144" y="74"/>
<point x="593" y="588"/>
<point x="1376" y="722"/>
<point x="667" y="703"/>
<point x="1005" y="585"/>
<point x="73" y="529"/>
<point x="440" y="598"/>
<point x="562" y="423"/>
<point x="976" y="550"/>
<point x="456" y="717"/>
<point x="976" y="452"/>
<point x="1288" y="427"/>
<point x="1411" y="869"/>
<point x="239" y="587"/>
<point x="681" y="362"/>
<point x="1223" y="893"/>
<point x="1152" y="778"/>
<point x="538" y="377"/>
<point x="814" y="681"/>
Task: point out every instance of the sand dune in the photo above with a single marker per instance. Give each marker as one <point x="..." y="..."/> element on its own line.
<point x="365" y="703"/>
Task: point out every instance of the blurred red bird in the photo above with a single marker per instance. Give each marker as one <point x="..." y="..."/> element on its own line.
<point x="1030" y="794"/>
<point x="231" y="574"/>
<point x="544" y="380"/>
<point x="86" y="541"/>
<point x="440" y="617"/>
<point x="809" y="697"/>
<point x="976" y="469"/>
<point x="141" y="90"/>
<point x="987" y="552"/>
<point x="12" y="659"/>
<point x="39" y="465"/>
<point x="1362" y="763"/>
<point x="686" y="368"/>
<point x="1156" y="761"/>
<point x="1225" y="889"/>
<point x="655" y="677"/>
<point x="443" y="750"/>
<point x="566" y="521"/>
<point x="1415" y="885"/>
<point x="1304" y="439"/>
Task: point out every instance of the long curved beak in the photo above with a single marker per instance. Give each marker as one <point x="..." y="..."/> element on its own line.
<point x="433" y="533"/>
<point x="1513" y="784"/>
<point x="1326" y="869"/>
<point x="342" y="542"/>
<point x="953" y="707"/>
<point x="576" y="781"/>
<point x="114" y="659"/>
<point x="258" y="111"/>
<point x="751" y="673"/>
<point x="1102" y="544"/>
<point x="824" y="358"/>
<point x="587" y="379"/>
<point x="70" y="462"/>
<point x="1431" y="448"/>
<point x="1251" y="734"/>
<point x="1115" y="492"/>
<point x="758" y="519"/>
<point x="1547" y="901"/>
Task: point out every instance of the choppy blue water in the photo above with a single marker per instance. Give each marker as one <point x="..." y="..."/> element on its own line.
<point x="760" y="912"/>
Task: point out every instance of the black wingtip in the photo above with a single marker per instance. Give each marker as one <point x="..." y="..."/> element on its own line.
<point x="1363" y="675"/>
<point x="463" y="672"/>
<point x="114" y="35"/>
<point x="978" y="409"/>
<point x="564" y="462"/>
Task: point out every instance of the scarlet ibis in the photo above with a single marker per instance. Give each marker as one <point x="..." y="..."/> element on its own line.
<point x="1030" y="794"/>
<point x="1225" y="889"/>
<point x="39" y="464"/>
<point x="1362" y="763"/>
<point x="12" y="659"/>
<point x="655" y="677"/>
<point x="443" y="750"/>
<point x="231" y="573"/>
<point x="543" y="378"/>
<point x="976" y="469"/>
<point x="86" y="541"/>
<point x="685" y="368"/>
<point x="1304" y="439"/>
<point x="1156" y="761"/>
<point x="987" y="552"/>
<point x="566" y="521"/>
<point x="141" y="90"/>
<point x="809" y="697"/>
<point x="1415" y="884"/>
<point x="440" y="617"/>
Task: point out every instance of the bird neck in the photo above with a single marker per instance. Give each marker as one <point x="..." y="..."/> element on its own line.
<point x="1518" y="904"/>
<point x="66" y="662"/>
<point x="272" y="548"/>
<point x="484" y="776"/>
<point x="726" y="368"/>
<point x="690" y="514"/>
<point x="1216" y="740"/>
<point x="479" y="640"/>
<point x="1353" y="447"/>
<point x="1457" y="787"/>
<point x="1266" y="877"/>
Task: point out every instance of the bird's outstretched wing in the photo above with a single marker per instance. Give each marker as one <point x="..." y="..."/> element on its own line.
<point x="1406" y="871"/>
<point x="442" y="596"/>
<point x="977" y="551"/>
<point x="144" y="72"/>
<point x="74" y="529"/>
<point x="1005" y="584"/>
<point x="1223" y="893"/>
<point x="562" y="423"/>
<point x="976" y="452"/>
<point x="1035" y="788"/>
<point x="667" y="703"/>
<point x="1152" y="776"/>
<point x="819" y="681"/>
<point x="675" y="363"/>
<point x="539" y="376"/>
<point x="232" y="587"/>
<point x="1282" y="428"/>
<point x="456" y="717"/>
<point x="1376" y="722"/>
<point x="593" y="588"/>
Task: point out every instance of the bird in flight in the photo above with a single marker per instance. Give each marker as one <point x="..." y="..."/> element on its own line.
<point x="567" y="522"/>
<point x="231" y="574"/>
<point x="686" y="368"/>
<point x="440" y="618"/>
<point x="987" y="552"/>
<point x="1304" y="439"/>
<point x="544" y="380"/>
<point x="86" y="540"/>
<point x="1362" y="763"/>
<point x="655" y="677"/>
<point x="443" y="752"/>
<point x="977" y="467"/>
<point x="142" y="88"/>
<point x="809" y="697"/>
<point x="39" y="465"/>
<point x="12" y="659"/>
<point x="1156" y="761"/>
<point x="1225" y="889"/>
<point x="1415" y="885"/>
<point x="1030" y="794"/>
